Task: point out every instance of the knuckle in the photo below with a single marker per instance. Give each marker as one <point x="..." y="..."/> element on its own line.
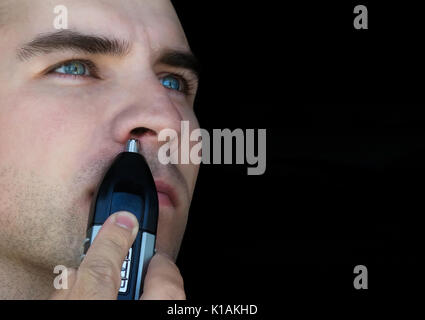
<point x="103" y="273"/>
<point x="118" y="243"/>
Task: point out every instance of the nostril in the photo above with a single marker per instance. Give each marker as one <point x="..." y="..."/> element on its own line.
<point x="142" y="131"/>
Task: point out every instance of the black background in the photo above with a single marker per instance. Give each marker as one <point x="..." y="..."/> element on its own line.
<point x="345" y="149"/>
<point x="345" y="158"/>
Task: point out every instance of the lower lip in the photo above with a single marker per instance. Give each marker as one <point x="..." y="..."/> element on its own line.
<point x="164" y="200"/>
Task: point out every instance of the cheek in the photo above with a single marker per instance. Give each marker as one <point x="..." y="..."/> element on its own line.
<point x="20" y="130"/>
<point x="36" y="133"/>
<point x="190" y="171"/>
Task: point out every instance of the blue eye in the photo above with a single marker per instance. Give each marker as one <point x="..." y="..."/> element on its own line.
<point x="171" y="82"/>
<point x="76" y="68"/>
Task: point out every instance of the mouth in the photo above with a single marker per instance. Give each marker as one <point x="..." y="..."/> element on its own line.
<point x="167" y="196"/>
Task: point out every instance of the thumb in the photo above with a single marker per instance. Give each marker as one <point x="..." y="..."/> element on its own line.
<point x="163" y="280"/>
<point x="99" y="275"/>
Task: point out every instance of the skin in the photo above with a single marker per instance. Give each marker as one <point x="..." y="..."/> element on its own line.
<point x="59" y="135"/>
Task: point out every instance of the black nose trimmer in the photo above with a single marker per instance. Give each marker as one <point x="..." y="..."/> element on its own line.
<point x="128" y="185"/>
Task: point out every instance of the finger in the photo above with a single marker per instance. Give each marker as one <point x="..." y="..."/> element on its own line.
<point x="99" y="275"/>
<point x="163" y="280"/>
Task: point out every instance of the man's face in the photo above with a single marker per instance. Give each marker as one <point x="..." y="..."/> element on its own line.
<point x="65" y="114"/>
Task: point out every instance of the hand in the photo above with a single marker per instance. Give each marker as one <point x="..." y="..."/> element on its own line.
<point x="99" y="275"/>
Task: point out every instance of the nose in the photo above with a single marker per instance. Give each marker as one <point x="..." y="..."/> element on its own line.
<point x="144" y="112"/>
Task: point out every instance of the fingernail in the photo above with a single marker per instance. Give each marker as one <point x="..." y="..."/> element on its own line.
<point x="126" y="220"/>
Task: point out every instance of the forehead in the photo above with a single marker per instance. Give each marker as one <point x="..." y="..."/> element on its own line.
<point x="150" y="22"/>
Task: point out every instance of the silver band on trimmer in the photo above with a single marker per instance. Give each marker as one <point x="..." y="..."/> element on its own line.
<point x="132" y="146"/>
<point x="96" y="229"/>
<point x="146" y="252"/>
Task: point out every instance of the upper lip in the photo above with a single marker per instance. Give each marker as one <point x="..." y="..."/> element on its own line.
<point x="163" y="187"/>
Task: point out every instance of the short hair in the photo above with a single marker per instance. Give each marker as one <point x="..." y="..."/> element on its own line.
<point x="3" y="12"/>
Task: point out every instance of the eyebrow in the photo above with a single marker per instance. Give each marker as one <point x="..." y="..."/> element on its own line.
<point x="46" y="43"/>
<point x="92" y="44"/>
<point x="181" y="59"/>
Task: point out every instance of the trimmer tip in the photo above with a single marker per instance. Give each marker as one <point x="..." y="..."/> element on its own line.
<point x="132" y="146"/>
